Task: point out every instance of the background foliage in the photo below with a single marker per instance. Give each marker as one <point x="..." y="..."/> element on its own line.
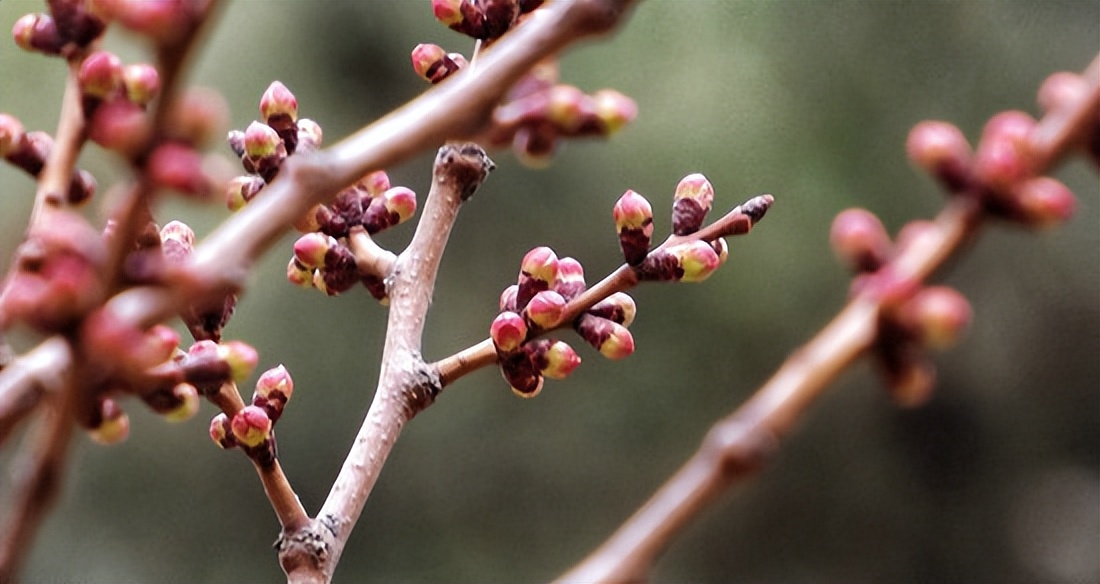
<point x="995" y="481"/>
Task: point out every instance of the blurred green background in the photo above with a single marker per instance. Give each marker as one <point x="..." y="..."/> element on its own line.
<point x="996" y="480"/>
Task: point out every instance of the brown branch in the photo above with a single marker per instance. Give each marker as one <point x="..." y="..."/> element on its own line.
<point x="406" y="386"/>
<point x="57" y="174"/>
<point x="737" y="446"/>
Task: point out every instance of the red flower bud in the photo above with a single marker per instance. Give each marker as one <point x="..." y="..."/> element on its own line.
<point x="1044" y="202"/>
<point x="142" y="83"/>
<point x="938" y="315"/>
<point x="100" y="75"/>
<point x="941" y="150"/>
<point x="251" y="426"/>
<point x="508" y="332"/>
<point x="553" y="359"/>
<point x="859" y="240"/>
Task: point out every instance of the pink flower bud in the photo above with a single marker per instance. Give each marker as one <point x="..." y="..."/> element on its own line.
<point x="448" y="12"/>
<point x="38" y="32"/>
<point x="534" y="146"/>
<point x="1062" y="89"/>
<point x="938" y="314"/>
<point x="508" y="298"/>
<point x="553" y="359"/>
<point x="570" y="282"/>
<point x="614" y="110"/>
<point x="433" y="64"/>
<point x="311" y="248"/>
<point x="634" y="222"/>
<point x="610" y="338"/>
<point x="538" y="272"/>
<point x="697" y="260"/>
<point x="545" y="309"/>
<point x="298" y="274"/>
<point x="261" y="141"/>
<point x="401" y="202"/>
<point x="179" y="167"/>
<point x="100" y="75"/>
<point x="142" y="83"/>
<point x="942" y="151"/>
<point x="375" y="183"/>
<point x="619" y="307"/>
<point x="1002" y="158"/>
<point x="251" y="426"/>
<point x="114" y="424"/>
<point x="241" y="358"/>
<point x="120" y="125"/>
<point x="859" y="240"/>
<point x="1044" y="202"/>
<point x="569" y="108"/>
<point x="508" y="332"/>
<point x="81" y="187"/>
<point x="273" y="390"/>
<point x="221" y="432"/>
<point x="310" y="136"/>
<point x="241" y="190"/>
<point x="691" y="203"/>
<point x="278" y="102"/>
<point x="188" y="403"/>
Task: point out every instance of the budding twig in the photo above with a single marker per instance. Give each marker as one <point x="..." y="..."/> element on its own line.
<point x="737" y="446"/>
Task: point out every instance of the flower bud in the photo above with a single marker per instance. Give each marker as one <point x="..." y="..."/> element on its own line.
<point x="251" y="426"/>
<point x="570" y="281"/>
<point x="395" y="206"/>
<point x="722" y="249"/>
<point x="619" y="307"/>
<point x="298" y="274"/>
<point x="142" y="83"/>
<point x="273" y="390"/>
<point x="375" y="183"/>
<point x="691" y="203"/>
<point x="433" y="64"/>
<point x="278" y="102"/>
<point x="120" y="125"/>
<point x="634" y="222"/>
<point x="942" y="151"/>
<point x="911" y="383"/>
<point x="1061" y="90"/>
<point x="697" y="260"/>
<point x="569" y="108"/>
<point x="553" y="359"/>
<point x="614" y="110"/>
<point x="261" y="141"/>
<point x="519" y="370"/>
<point x="11" y="134"/>
<point x="197" y="116"/>
<point x="38" y="32"/>
<point x="545" y="309"/>
<point x="235" y="140"/>
<point x="81" y="187"/>
<point x="1044" y="202"/>
<point x="938" y="315"/>
<point x="241" y="358"/>
<point x="100" y="75"/>
<point x="221" y="431"/>
<point x="508" y="298"/>
<point x="188" y="403"/>
<point x="175" y="166"/>
<point x="448" y="12"/>
<point x="610" y="338"/>
<point x="508" y="332"/>
<point x="534" y="146"/>
<point x="241" y="190"/>
<point x="113" y="426"/>
<point x="1002" y="158"/>
<point x="311" y="249"/>
<point x="309" y="136"/>
<point x="859" y="240"/>
<point x="538" y="272"/>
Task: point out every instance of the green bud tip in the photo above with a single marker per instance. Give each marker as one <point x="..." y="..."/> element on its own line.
<point x="261" y="141"/>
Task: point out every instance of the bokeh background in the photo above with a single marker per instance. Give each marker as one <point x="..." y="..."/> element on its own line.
<point x="996" y="480"/>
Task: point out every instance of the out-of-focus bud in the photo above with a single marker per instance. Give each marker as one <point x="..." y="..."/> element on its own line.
<point x="534" y="146"/>
<point x="722" y="249"/>
<point x="569" y="108"/>
<point x="120" y="125"/>
<point x="939" y="315"/>
<point x="942" y="151"/>
<point x="38" y="32"/>
<point x="545" y="309"/>
<point x="11" y="134"/>
<point x="221" y="432"/>
<point x="859" y="240"/>
<point x="614" y="110"/>
<point x="448" y="12"/>
<point x="911" y="383"/>
<point x="241" y="190"/>
<point x="508" y="298"/>
<point x="100" y="75"/>
<point x="251" y="426"/>
<point x="310" y="136"/>
<point x="1044" y="202"/>
<point x="114" y="424"/>
<point x="298" y="274"/>
<point x="241" y="358"/>
<point x="188" y="403"/>
<point x="142" y="83"/>
<point x="634" y="222"/>
<point x="198" y="116"/>
<point x="179" y="167"/>
<point x="691" y="203"/>
<point x="508" y="332"/>
<point x="1060" y="90"/>
<point x="619" y="307"/>
<point x="610" y="338"/>
<point x="1002" y="159"/>
<point x="81" y="188"/>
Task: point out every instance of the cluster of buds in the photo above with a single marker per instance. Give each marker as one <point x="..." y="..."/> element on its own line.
<point x="537" y="303"/>
<point x="28" y="151"/>
<point x="149" y="363"/>
<point x="485" y="20"/>
<point x="913" y="318"/>
<point x="252" y="428"/>
<point x="70" y="26"/>
<point x="1002" y="173"/>
<point x="684" y="258"/>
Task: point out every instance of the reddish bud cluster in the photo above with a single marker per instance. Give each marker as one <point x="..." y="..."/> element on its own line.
<point x="537" y="303"/>
<point x="252" y="428"/>
<point x="913" y="318"/>
<point x="28" y="151"/>
<point x="1001" y="173"/>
